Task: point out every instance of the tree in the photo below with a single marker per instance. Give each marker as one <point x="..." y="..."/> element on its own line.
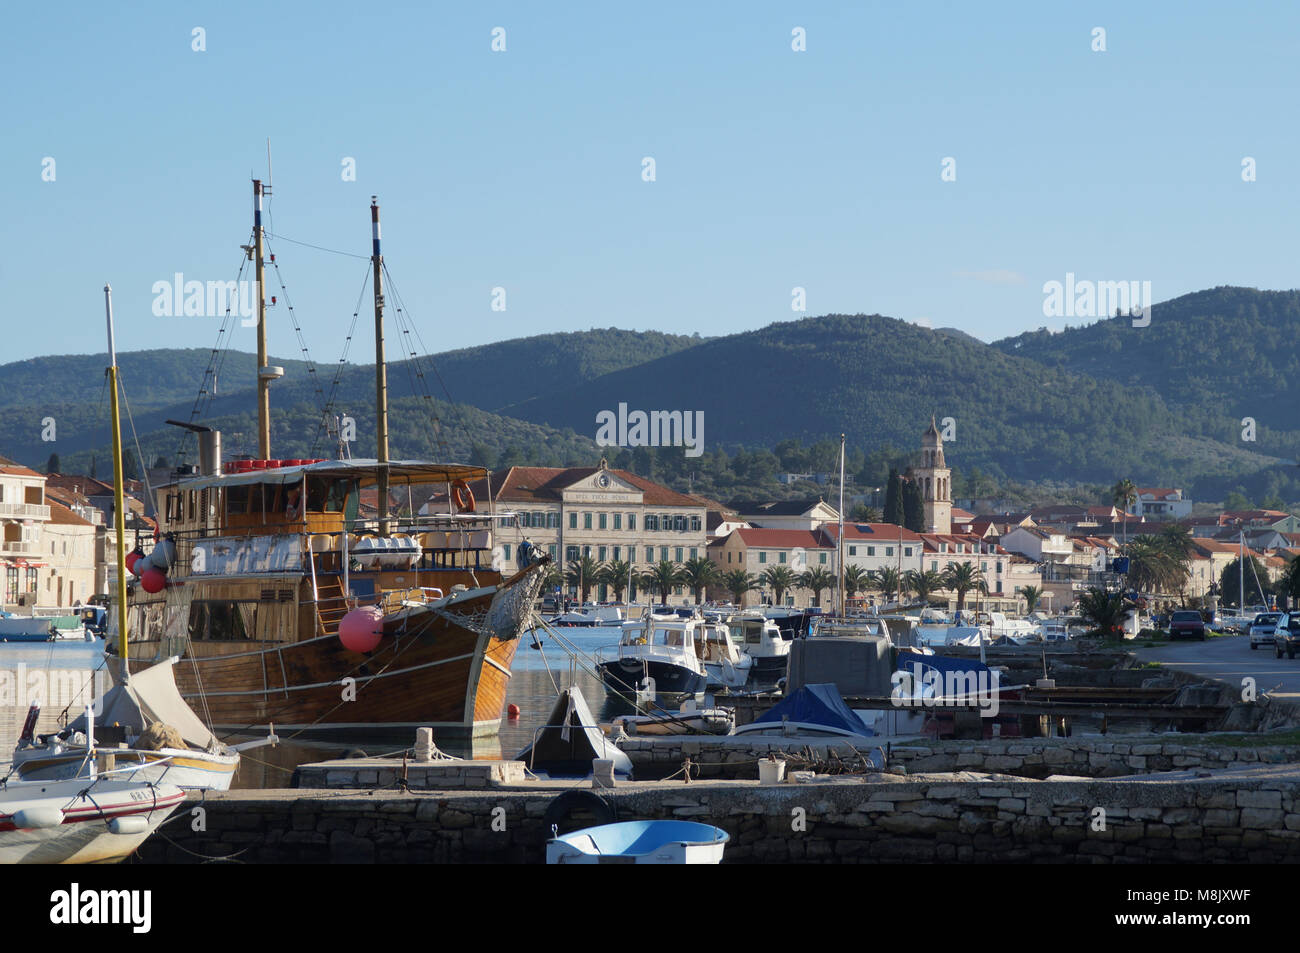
<point x="698" y="573"/>
<point x="739" y="582"/>
<point x="864" y="514"/>
<point x="1152" y="566"/>
<point x="894" y="499"/>
<point x="923" y="583"/>
<point x="780" y="579"/>
<point x="1124" y="494"/>
<point x="582" y="574"/>
<point x="552" y="577"/>
<point x="52" y="465"/>
<point x="1230" y="583"/>
<point x="887" y="581"/>
<point x="662" y="577"/>
<point x="856" y="579"/>
<point x="961" y="578"/>
<point x="816" y="579"/>
<point x="913" y="507"/>
<point x="615" y="575"/>
<point x="1289" y="583"/>
<point x="1105" y="610"/>
<point x="1032" y="594"/>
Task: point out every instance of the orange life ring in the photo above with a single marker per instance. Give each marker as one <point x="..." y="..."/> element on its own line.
<point x="462" y="496"/>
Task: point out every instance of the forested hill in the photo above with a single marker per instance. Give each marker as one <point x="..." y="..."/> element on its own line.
<point x="878" y="379"/>
<point x="1226" y="352"/>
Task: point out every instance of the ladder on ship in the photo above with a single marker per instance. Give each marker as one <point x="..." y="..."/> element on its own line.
<point x="331" y="606"/>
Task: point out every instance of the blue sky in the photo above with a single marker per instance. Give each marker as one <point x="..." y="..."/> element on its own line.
<point x="522" y="169"/>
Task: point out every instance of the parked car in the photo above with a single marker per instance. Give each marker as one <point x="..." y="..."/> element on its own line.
<point x="1263" y="629"/>
<point x="1187" y="624"/>
<point x="1286" y="638"/>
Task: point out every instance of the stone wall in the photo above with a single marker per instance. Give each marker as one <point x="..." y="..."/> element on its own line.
<point x="1093" y="757"/>
<point x="1252" y="818"/>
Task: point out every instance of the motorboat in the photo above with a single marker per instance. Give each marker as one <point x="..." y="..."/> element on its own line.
<point x="591" y="616"/>
<point x="762" y="641"/>
<point x="724" y="664"/>
<point x="814" y="711"/>
<point x="640" y="842"/>
<point x="689" y="720"/>
<point x="662" y="651"/>
<point x="80" y="821"/>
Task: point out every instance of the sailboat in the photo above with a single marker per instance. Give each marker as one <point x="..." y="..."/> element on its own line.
<point x="147" y="731"/>
<point x="286" y="606"/>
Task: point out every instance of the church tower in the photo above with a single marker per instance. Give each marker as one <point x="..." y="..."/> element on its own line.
<point x="935" y="481"/>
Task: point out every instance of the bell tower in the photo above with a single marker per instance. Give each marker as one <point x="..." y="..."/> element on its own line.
<point x="935" y="481"/>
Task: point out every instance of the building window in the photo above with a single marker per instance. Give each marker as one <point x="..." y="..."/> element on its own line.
<point x="695" y="524"/>
<point x="889" y="550"/>
<point x="600" y="554"/>
<point x="602" y="521"/>
<point x="853" y="550"/>
<point x="651" y="522"/>
<point x="663" y="554"/>
<point x="573" y="521"/>
<point x="618" y="553"/>
<point x="552" y="520"/>
<point x="507" y="551"/>
<point x="677" y="554"/>
<point x="934" y="565"/>
<point x="553" y="549"/>
<point x="586" y="550"/>
<point x="780" y="557"/>
<point x="871" y="550"/>
<point x="762" y="557"/>
<point x="649" y="554"/>
<point x="907" y="550"/>
<point x="631" y="521"/>
<point x="728" y="558"/>
<point x="586" y="521"/>
<point x="822" y="558"/>
<point x="618" y="520"/>
<point x="695" y="553"/>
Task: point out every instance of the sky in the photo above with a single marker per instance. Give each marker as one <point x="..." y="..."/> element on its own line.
<point x="128" y="152"/>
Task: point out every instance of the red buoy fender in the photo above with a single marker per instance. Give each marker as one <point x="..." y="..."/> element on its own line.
<point x="462" y="496"/>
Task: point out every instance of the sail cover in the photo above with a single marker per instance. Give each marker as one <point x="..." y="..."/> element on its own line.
<point x="147" y="697"/>
<point x="817" y="704"/>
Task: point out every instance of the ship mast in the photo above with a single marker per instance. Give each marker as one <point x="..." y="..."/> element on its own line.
<point x="381" y="371"/>
<point x="119" y="493"/>
<point x="839" y="556"/>
<point x="263" y="378"/>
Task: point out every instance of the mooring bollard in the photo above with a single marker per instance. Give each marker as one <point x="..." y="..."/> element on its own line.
<point x="602" y="773"/>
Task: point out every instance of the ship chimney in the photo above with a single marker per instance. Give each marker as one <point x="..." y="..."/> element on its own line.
<point x="210" y="452"/>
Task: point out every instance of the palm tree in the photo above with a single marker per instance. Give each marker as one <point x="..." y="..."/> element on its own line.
<point x="1032" y="594"/>
<point x="739" y="582"/>
<point x="615" y="574"/>
<point x="698" y="573"/>
<point x="961" y="578"/>
<point x="1124" y="494"/>
<point x="1156" y="564"/>
<point x="780" y="579"/>
<point x="663" y="576"/>
<point x="816" y="580"/>
<point x="887" y="580"/>
<point x="1105" y="610"/>
<point x="923" y="583"/>
<point x="856" y="579"/>
<point x="582" y="574"/>
<point x="552" y="577"/>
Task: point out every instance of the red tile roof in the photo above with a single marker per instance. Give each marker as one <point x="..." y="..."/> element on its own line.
<point x="783" y="538"/>
<point x="62" y="515"/>
<point x="871" y="532"/>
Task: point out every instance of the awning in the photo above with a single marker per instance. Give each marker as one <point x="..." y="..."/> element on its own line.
<point x="365" y="471"/>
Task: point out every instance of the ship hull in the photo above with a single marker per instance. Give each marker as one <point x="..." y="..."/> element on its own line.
<point x="444" y="666"/>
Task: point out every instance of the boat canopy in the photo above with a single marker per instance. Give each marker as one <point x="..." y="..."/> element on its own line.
<point x="150" y="696"/>
<point x="818" y="704"/>
<point x="366" y="472"/>
<point x="941" y="663"/>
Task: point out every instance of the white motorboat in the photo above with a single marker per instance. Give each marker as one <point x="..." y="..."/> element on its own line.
<point x="724" y="664"/>
<point x="662" y="651"/>
<point x="690" y="720"/>
<point x="591" y="616"/>
<point x="763" y="642"/>
<point x="80" y="821"/>
<point x="640" y="842"/>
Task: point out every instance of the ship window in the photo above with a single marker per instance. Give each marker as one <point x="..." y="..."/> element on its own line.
<point x="326" y="496"/>
<point x="222" y="621"/>
<point x="244" y="499"/>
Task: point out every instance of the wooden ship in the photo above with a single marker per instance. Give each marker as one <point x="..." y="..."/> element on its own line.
<point x="286" y="606"/>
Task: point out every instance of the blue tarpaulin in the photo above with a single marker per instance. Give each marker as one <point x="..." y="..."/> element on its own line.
<point x="940" y="663"/>
<point x="816" y="704"/>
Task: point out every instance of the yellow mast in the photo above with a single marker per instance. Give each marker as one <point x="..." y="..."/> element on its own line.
<point x="119" y="494"/>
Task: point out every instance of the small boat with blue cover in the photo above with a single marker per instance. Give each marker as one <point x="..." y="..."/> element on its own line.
<point x="640" y="842"/>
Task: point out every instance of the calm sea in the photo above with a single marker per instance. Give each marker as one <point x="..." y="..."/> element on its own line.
<point x="66" y="673"/>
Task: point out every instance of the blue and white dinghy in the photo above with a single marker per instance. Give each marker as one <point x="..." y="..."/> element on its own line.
<point x="640" y="842"/>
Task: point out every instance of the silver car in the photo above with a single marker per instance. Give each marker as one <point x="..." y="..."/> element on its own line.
<point x="1263" y="629"/>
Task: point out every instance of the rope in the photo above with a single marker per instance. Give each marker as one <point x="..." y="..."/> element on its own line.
<point x="338" y="373"/>
<point x="332" y="251"/>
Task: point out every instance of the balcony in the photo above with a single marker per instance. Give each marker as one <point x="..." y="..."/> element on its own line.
<point x="24" y="511"/>
<point x="13" y="547"/>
